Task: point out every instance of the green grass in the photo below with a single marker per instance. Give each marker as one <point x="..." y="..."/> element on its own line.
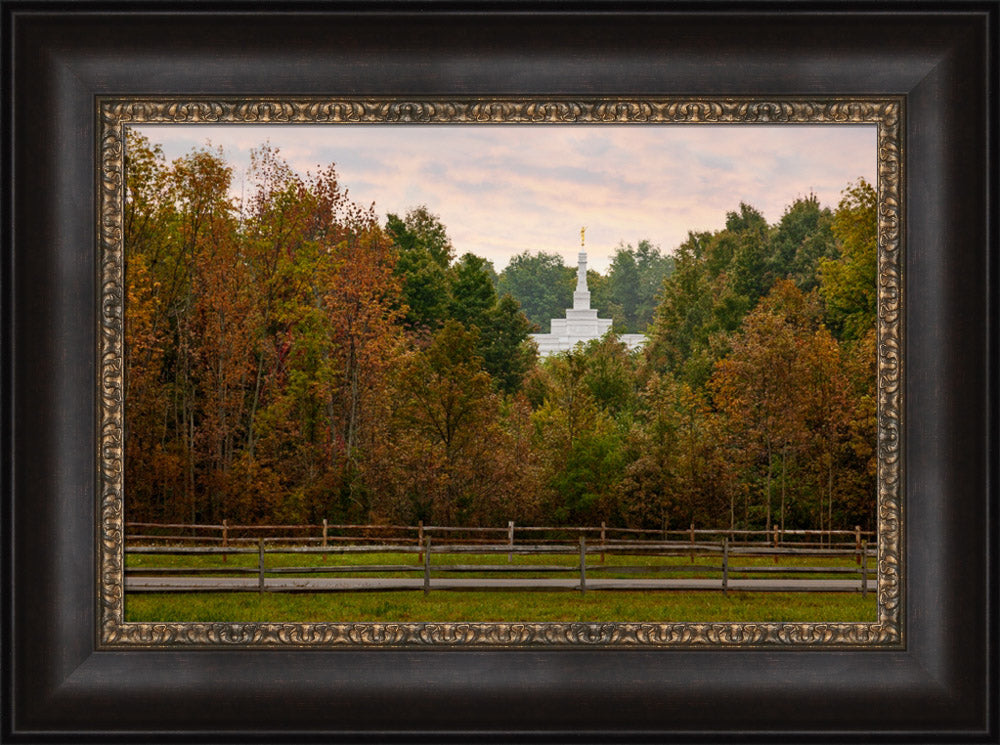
<point x="500" y="606"/>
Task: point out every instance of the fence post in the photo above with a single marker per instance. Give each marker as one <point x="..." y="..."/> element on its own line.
<point x="583" y="565"/>
<point x="692" y="543"/>
<point x="510" y="541"/>
<point x="427" y="564"/>
<point x="260" y="565"/>
<point x="326" y="533"/>
<point x="857" y="544"/>
<point x="604" y="527"/>
<point x="225" y="537"/>
<point x="725" y="567"/>
<point x="864" y="569"/>
<point x="420" y="541"/>
<point x="775" y="540"/>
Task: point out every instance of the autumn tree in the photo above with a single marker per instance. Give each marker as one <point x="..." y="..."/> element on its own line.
<point x="153" y="465"/>
<point x="785" y="396"/>
<point x="453" y="455"/>
<point x="679" y="470"/>
<point x="180" y="230"/>
<point x="759" y="387"/>
<point x="258" y="337"/>
<point x="335" y="334"/>
<point x="827" y="414"/>
<point x="858" y="474"/>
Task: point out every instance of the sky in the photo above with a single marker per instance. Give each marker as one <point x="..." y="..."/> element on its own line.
<point x="503" y="189"/>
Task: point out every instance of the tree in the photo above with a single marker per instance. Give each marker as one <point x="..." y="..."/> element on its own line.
<point x="451" y="453"/>
<point x="422" y="231"/>
<point x="749" y="272"/>
<point x="635" y="280"/>
<point x="624" y="286"/>
<point x="682" y="332"/>
<point x="155" y="469"/>
<point x="541" y="283"/>
<point x="827" y="411"/>
<point x="717" y="278"/>
<point x="508" y="352"/>
<point x="679" y="471"/>
<point x="803" y="237"/>
<point x="582" y="448"/>
<point x="199" y="241"/>
<point x="848" y="283"/>
<point x="502" y="329"/>
<point x="610" y="375"/>
<point x="654" y="268"/>
<point x="858" y="476"/>
<point x="153" y="466"/>
<point x="473" y="296"/>
<point x="760" y="386"/>
<point x="258" y="338"/>
<point x="602" y="300"/>
<point x="786" y="397"/>
<point x="424" y="255"/>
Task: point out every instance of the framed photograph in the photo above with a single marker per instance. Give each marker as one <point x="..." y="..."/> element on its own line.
<point x="757" y="502"/>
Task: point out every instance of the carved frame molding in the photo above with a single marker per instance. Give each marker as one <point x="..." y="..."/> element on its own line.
<point x="115" y="114"/>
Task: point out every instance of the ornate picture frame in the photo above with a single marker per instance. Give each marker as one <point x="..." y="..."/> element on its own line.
<point x="73" y="669"/>
<point x="885" y="113"/>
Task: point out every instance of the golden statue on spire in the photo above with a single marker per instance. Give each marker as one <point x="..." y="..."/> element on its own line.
<point x="582" y="230"/>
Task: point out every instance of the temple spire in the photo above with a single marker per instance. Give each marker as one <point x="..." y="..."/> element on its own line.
<point x="581" y="323"/>
<point x="581" y="298"/>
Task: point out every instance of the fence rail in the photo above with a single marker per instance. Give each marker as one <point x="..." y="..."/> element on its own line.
<point x="325" y="533"/>
<point x="715" y="563"/>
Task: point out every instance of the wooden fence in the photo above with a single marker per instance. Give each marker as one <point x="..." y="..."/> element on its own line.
<point x="326" y="534"/>
<point x="723" y="552"/>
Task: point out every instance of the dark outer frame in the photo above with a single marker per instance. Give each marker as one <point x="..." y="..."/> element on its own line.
<point x="57" y="58"/>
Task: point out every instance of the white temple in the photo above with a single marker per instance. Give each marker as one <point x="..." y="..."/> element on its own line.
<point x="581" y="323"/>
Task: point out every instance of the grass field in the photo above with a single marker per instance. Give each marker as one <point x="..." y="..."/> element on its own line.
<point x="500" y="606"/>
<point x="474" y="606"/>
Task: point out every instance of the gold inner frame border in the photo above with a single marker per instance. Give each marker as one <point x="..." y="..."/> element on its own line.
<point x="114" y="114"/>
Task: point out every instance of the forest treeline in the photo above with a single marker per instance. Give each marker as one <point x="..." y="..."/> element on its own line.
<point x="289" y="357"/>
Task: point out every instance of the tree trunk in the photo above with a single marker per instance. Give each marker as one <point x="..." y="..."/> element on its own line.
<point x="767" y="491"/>
<point x="251" y="442"/>
<point x="829" y="486"/>
<point x="784" y="469"/>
